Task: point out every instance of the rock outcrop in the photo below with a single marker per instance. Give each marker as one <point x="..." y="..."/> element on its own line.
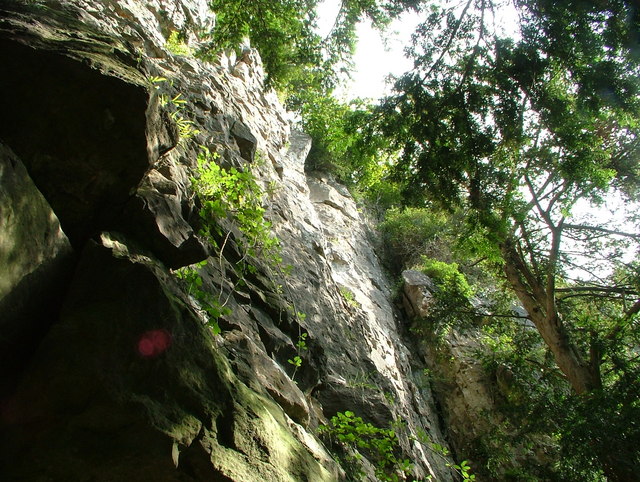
<point x="113" y="371"/>
<point x="471" y="397"/>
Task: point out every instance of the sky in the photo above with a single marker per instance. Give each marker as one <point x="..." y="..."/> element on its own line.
<point x="373" y="61"/>
<point x="376" y="58"/>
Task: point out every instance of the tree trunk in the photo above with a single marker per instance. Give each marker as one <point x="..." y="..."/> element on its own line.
<point x="583" y="376"/>
<point x="532" y="295"/>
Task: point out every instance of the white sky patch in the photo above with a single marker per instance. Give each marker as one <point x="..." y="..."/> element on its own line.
<point x="374" y="61"/>
<point x="327" y="12"/>
<point x="376" y="57"/>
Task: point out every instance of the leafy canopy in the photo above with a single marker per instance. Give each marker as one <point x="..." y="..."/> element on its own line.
<point x="285" y="33"/>
<point x="515" y="133"/>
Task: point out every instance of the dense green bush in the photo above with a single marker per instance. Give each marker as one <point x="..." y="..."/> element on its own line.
<point x="452" y="305"/>
<point x="447" y="276"/>
<point x="410" y="233"/>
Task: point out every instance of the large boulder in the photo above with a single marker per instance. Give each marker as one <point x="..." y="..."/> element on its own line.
<point x="417" y="294"/>
<point x="130" y="385"/>
<point x="36" y="261"/>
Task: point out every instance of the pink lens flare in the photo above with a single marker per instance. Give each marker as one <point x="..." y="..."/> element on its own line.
<point x="153" y="343"/>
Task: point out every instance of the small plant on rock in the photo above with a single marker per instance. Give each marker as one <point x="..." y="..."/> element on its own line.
<point x="296" y="361"/>
<point x="302" y="343"/>
<point x="379" y="445"/>
<point x="177" y="46"/>
<point x="349" y="297"/>
<point x="191" y="278"/>
<point x="235" y="194"/>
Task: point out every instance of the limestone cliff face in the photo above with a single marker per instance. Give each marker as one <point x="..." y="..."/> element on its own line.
<point x="109" y="370"/>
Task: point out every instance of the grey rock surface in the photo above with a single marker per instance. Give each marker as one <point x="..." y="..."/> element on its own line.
<point x="132" y="383"/>
<point x="418" y="293"/>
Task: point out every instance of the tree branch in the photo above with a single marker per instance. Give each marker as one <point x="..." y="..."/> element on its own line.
<point x="476" y="48"/>
<point x="556" y="237"/>
<point x="449" y="42"/>
<point x="635" y="309"/>
<point x="615" y="232"/>
<point x="602" y="289"/>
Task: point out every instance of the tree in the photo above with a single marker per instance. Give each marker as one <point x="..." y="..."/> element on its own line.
<point x="285" y="34"/>
<point x="517" y="133"/>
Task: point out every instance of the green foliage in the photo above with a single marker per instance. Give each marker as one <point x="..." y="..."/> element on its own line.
<point x="230" y="193"/>
<point x="349" y="297"/>
<point x="363" y="380"/>
<point x="302" y="342"/>
<point x="177" y="46"/>
<point x="186" y="129"/>
<point x="296" y="361"/>
<point x="281" y="30"/>
<point x="464" y="469"/>
<point x="409" y="233"/>
<point x="447" y="277"/>
<point x="193" y="282"/>
<point x="301" y="346"/>
<point x="176" y="105"/>
<point x="155" y="81"/>
<point x="617" y="440"/>
<point x="379" y="445"/>
<point x="343" y="146"/>
<point x="451" y="306"/>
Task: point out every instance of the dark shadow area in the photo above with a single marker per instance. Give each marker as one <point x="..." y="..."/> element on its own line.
<point x="28" y="312"/>
<point x="80" y="133"/>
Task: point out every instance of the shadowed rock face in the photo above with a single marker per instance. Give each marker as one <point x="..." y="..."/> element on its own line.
<point x="36" y="263"/>
<point x="126" y="386"/>
<point x="81" y="134"/>
<point x="128" y="382"/>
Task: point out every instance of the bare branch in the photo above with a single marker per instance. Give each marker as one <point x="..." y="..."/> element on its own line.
<point x="527" y="239"/>
<point x="453" y="35"/>
<point x="493" y="315"/>
<point x="556" y="237"/>
<point x="611" y="296"/>
<point x="602" y="289"/>
<point x="536" y="200"/>
<point x="615" y="232"/>
<point x="563" y="188"/>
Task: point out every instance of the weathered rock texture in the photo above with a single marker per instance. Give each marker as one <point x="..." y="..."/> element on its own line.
<point x="129" y="383"/>
<point x="469" y="396"/>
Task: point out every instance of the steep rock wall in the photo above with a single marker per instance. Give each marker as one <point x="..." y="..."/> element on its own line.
<point x="129" y="383"/>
